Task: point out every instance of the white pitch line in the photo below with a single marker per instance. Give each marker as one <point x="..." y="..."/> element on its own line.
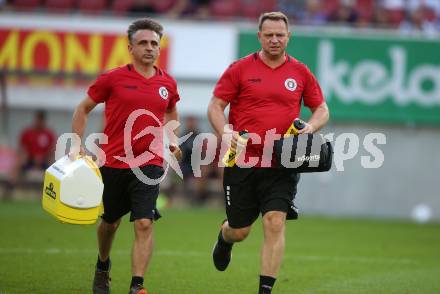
<point x="318" y="258"/>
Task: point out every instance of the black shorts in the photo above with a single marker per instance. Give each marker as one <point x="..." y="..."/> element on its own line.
<point x="124" y="192"/>
<point x="251" y="191"/>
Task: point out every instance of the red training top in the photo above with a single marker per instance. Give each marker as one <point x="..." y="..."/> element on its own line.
<point x="262" y="98"/>
<point x="38" y="143"/>
<point x="125" y="92"/>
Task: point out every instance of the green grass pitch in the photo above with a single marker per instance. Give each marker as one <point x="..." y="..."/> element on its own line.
<point x="323" y="255"/>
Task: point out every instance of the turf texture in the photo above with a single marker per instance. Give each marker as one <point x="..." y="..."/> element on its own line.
<point x="323" y="255"/>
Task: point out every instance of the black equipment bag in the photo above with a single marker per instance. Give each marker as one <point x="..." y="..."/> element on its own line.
<point x="304" y="153"/>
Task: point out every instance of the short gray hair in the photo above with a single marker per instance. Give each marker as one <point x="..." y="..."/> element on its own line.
<point x="144" y="24"/>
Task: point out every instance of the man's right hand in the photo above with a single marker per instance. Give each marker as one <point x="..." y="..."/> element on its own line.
<point x="235" y="136"/>
<point x="74" y="153"/>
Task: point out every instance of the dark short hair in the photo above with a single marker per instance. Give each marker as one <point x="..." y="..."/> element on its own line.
<point x="144" y="24"/>
<point x="40" y="114"/>
<point x="276" y="15"/>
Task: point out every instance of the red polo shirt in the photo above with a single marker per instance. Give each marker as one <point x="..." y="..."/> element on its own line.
<point x="38" y="143"/>
<point x="125" y="92"/>
<point x="263" y="98"/>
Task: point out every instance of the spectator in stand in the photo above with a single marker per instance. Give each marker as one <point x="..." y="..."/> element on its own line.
<point x="380" y="17"/>
<point x="431" y="7"/>
<point x="314" y="15"/>
<point x="142" y="7"/>
<point x="345" y="14"/>
<point x="293" y="9"/>
<point x="35" y="150"/>
<point x="195" y="188"/>
<point x="37" y="144"/>
<point x="191" y="126"/>
<point x="416" y="21"/>
<point x="198" y="9"/>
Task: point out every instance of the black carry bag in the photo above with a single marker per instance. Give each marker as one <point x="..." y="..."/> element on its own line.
<point x="305" y="153"/>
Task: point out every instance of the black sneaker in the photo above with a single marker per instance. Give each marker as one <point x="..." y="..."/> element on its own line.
<point x="101" y="282"/>
<point x="221" y="254"/>
<point x="265" y="290"/>
<point x="137" y="289"/>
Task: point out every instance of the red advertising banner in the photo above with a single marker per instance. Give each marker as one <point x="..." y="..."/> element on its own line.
<point x="66" y="52"/>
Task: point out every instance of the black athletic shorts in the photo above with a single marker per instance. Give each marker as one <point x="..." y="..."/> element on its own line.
<point x="251" y="191"/>
<point x="124" y="192"/>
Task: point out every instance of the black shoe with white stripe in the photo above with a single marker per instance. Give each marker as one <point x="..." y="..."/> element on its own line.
<point x="222" y="252"/>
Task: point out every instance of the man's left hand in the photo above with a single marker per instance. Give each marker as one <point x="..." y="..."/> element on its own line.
<point x="308" y="129"/>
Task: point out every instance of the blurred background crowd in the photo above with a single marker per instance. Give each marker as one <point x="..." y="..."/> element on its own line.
<point x="405" y="15"/>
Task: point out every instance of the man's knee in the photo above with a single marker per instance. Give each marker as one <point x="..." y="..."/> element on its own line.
<point x="240" y="234"/>
<point x="110" y="228"/>
<point x="143" y="225"/>
<point x="274" y="221"/>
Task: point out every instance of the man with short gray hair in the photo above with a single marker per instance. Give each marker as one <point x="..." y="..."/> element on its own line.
<point x="264" y="91"/>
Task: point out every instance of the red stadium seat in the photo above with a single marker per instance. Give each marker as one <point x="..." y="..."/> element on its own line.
<point x="92" y="6"/>
<point x="396" y="16"/>
<point x="162" y="6"/>
<point x="26" y="5"/>
<point x="120" y="7"/>
<point x="225" y="8"/>
<point x="365" y="9"/>
<point x="252" y="9"/>
<point x="429" y="14"/>
<point x="63" y="6"/>
<point x="329" y="7"/>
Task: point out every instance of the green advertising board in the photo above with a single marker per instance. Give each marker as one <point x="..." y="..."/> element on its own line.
<point x="370" y="78"/>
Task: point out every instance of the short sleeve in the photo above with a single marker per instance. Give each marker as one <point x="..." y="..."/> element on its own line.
<point x="228" y="85"/>
<point x="312" y="94"/>
<point x="100" y="90"/>
<point x="174" y="97"/>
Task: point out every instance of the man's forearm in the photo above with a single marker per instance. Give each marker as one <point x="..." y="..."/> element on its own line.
<point x="169" y="116"/>
<point x="80" y="115"/>
<point x="79" y="122"/>
<point x="217" y="118"/>
<point x="320" y="117"/>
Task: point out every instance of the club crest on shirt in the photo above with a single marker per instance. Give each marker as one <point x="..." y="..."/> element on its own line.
<point x="290" y="84"/>
<point x="163" y="92"/>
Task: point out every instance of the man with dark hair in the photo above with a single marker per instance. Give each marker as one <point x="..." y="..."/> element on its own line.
<point x="264" y="91"/>
<point x="37" y="144"/>
<point x="124" y="91"/>
<point x="35" y="152"/>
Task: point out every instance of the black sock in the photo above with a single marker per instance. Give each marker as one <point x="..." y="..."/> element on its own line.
<point x="103" y="265"/>
<point x="266" y="284"/>
<point x="136" y="281"/>
<point x="222" y="241"/>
